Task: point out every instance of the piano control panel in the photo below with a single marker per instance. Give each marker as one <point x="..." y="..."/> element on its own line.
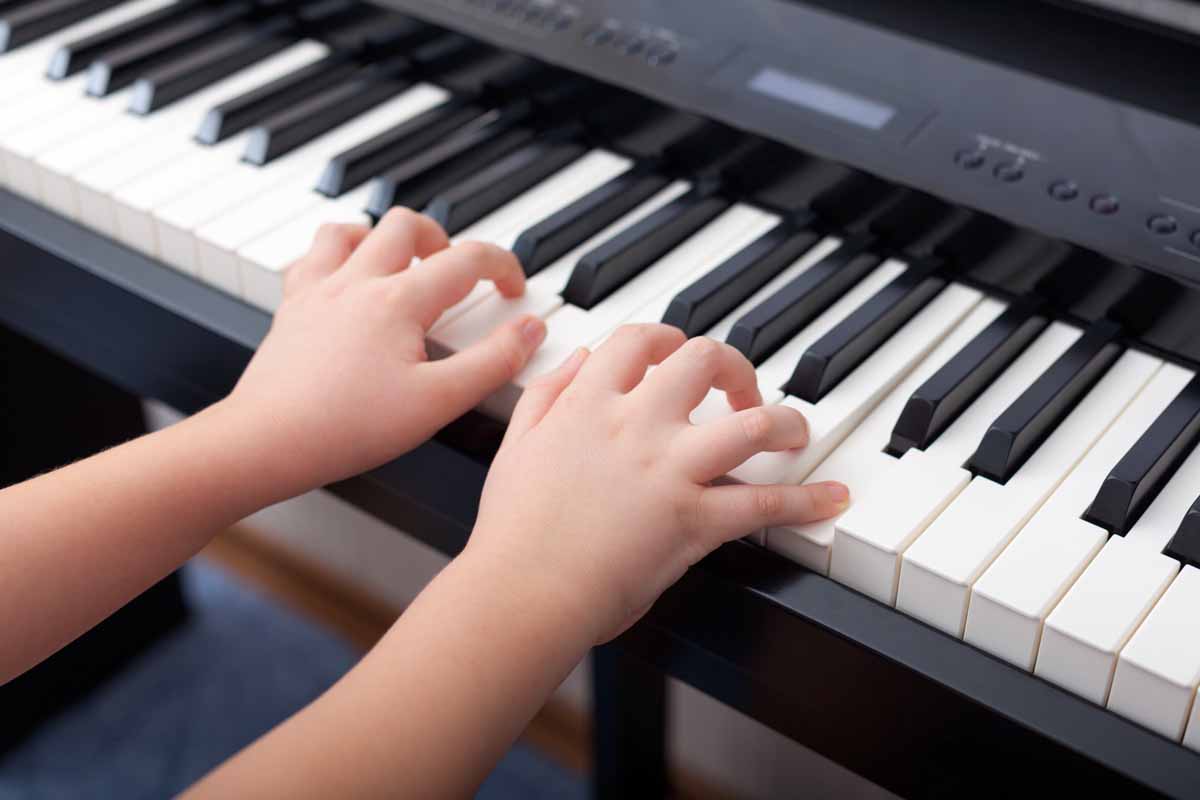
<point x="1108" y="175"/>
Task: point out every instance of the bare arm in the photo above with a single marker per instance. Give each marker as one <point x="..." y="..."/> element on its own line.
<point x="340" y="385"/>
<point x="597" y="501"/>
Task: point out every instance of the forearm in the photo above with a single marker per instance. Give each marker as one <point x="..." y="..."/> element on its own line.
<point x="435" y="705"/>
<point x="80" y="542"/>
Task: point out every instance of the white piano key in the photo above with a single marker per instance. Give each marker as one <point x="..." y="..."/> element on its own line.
<point x="860" y="458"/>
<point x="1096" y="617"/>
<point x="132" y="145"/>
<point x="505" y="224"/>
<point x="940" y="567"/>
<point x="135" y="201"/>
<point x="871" y="538"/>
<point x="28" y="65"/>
<point x="176" y="222"/>
<point x="818" y="251"/>
<point x="96" y="184"/>
<point x="546" y="285"/>
<point x="841" y="410"/>
<point x="1159" y="669"/>
<point x="654" y="311"/>
<point x="571" y="327"/>
<point x="1013" y="597"/>
<point x="265" y="260"/>
<point x="1098" y="614"/>
<point x="21" y="146"/>
<point x="218" y="241"/>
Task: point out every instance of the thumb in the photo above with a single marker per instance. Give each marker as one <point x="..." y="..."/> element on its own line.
<point x="540" y="395"/>
<point x="468" y="377"/>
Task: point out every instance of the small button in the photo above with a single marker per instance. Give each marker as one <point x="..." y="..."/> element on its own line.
<point x="1063" y="190"/>
<point x="630" y="45"/>
<point x="1162" y="224"/>
<point x="969" y="159"/>
<point x="1195" y="239"/>
<point x="600" y="36"/>
<point x="660" y="54"/>
<point x="1008" y="172"/>
<point x="1105" y="204"/>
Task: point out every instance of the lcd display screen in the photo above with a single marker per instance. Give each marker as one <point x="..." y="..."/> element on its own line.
<point x="822" y="98"/>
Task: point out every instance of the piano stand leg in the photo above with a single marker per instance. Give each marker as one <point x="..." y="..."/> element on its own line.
<point x="53" y="413"/>
<point x="629" y="712"/>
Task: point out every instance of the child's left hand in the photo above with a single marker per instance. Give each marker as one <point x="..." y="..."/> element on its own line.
<point x="342" y="383"/>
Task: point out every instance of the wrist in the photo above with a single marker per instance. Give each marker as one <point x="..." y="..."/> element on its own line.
<point x="558" y="606"/>
<point x="254" y="451"/>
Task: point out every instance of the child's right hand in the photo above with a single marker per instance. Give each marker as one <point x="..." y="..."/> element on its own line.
<point x="601" y="491"/>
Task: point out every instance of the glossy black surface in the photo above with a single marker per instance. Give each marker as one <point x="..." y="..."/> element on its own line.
<point x="544" y="242"/>
<point x="352" y="167"/>
<point x="941" y="399"/>
<point x="501" y="182"/>
<point x="28" y="21"/>
<point x="835" y="355"/>
<point x="608" y="267"/>
<point x="1023" y="426"/>
<point x="121" y="66"/>
<point x="1140" y="475"/>
<point x="718" y="293"/>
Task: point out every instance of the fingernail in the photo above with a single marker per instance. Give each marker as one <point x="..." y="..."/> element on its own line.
<point x="838" y="494"/>
<point x="533" y="331"/>
<point x="573" y="359"/>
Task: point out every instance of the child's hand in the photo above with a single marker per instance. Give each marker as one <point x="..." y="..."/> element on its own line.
<point x="342" y="382"/>
<point x="600" y="489"/>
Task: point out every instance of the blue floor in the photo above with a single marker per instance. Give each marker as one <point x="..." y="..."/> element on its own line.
<point x="238" y="667"/>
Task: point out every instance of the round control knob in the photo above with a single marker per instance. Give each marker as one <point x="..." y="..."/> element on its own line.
<point x="1162" y="224"/>
<point x="1009" y="172"/>
<point x="969" y="159"/>
<point x="1063" y="190"/>
<point x="1105" y="204"/>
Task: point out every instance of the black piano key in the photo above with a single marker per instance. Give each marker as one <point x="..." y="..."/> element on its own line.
<point x="236" y="115"/>
<point x="234" y="51"/>
<point x="349" y="169"/>
<point x="543" y="243"/>
<point x="416" y="181"/>
<point x="30" y="21"/>
<point x="1185" y="542"/>
<point x="77" y="55"/>
<point x="940" y="400"/>
<point x="484" y="192"/>
<point x="777" y="319"/>
<point x="701" y="305"/>
<point x="119" y="68"/>
<point x="608" y="267"/>
<point x="1142" y="472"/>
<point x="838" y="352"/>
<point x="7" y="6"/>
<point x="321" y="113"/>
<point x="1018" y="431"/>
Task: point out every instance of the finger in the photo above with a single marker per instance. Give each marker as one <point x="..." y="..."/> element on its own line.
<point x="449" y="276"/>
<point x="541" y="395"/>
<point x="470" y="376"/>
<point x="621" y="362"/>
<point x="332" y="245"/>
<point x="715" y="448"/>
<point x="684" y="379"/>
<point x="730" y="512"/>
<point x="400" y="236"/>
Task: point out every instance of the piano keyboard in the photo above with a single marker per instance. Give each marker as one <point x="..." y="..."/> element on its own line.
<point x="1026" y="485"/>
